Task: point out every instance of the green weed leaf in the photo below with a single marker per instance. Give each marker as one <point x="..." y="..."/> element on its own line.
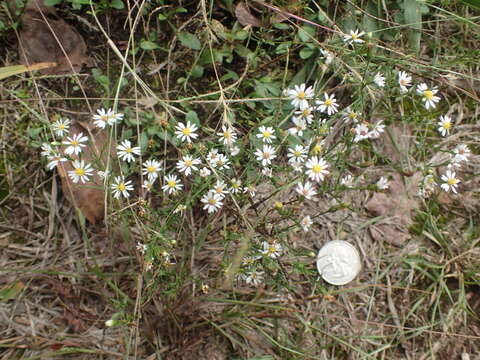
<point x="413" y="18"/>
<point x="117" y="4"/>
<point x="472" y="3"/>
<point x="189" y="40"/>
<point x="148" y="45"/>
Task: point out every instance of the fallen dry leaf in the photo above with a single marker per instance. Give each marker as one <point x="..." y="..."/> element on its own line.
<point x="46" y="38"/>
<point x="89" y="198"/>
<point x="244" y="16"/>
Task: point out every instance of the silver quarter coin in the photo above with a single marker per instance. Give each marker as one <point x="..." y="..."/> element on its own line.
<point x="338" y="262"/>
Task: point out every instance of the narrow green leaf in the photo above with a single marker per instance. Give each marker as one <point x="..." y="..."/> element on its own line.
<point x="189" y="40"/>
<point x="117" y="4"/>
<point x="413" y="18"/>
<point x="148" y="45"/>
<point x="473" y="3"/>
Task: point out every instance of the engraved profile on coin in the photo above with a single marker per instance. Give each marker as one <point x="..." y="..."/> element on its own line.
<point x="338" y="262"/>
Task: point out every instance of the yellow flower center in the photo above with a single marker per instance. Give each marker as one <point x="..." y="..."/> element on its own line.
<point x="301" y="95"/>
<point x="188" y="163"/>
<point x="212" y="201"/>
<point x="297" y="153"/>
<point x="266" y="155"/>
<point x="172" y="184"/>
<point x="317" y="169"/>
<point x="151" y="169"/>
<point x="306" y="112"/>
<point x="428" y="94"/>
<point x="328" y="102"/>
<point x="352" y="115"/>
<point x="186" y="131"/>
<point x="266" y="134"/>
<point x="447" y="125"/>
<point x="452" y="181"/>
<point x="121" y="187"/>
<point x="74" y="143"/>
<point x="403" y="82"/>
<point x="80" y="171"/>
<point x="226" y="135"/>
<point x="129" y="150"/>
<point x="354" y="36"/>
<point x="272" y="250"/>
<point x="61" y="127"/>
<point x="235" y="185"/>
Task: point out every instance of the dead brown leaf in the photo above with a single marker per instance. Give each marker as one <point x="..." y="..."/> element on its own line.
<point x="46" y="38"/>
<point x="244" y="15"/>
<point x="89" y="198"/>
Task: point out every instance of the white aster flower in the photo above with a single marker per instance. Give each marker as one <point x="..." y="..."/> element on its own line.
<point x="351" y="115"/>
<point x="317" y="169"/>
<point x="121" y="187"/>
<point x="266" y="155"/>
<point x="444" y="125"/>
<point x="299" y="128"/>
<point x="328" y="56"/>
<point x="188" y="164"/>
<point x="462" y="153"/>
<point x="297" y="154"/>
<point x="267" y="134"/>
<point x="347" y="180"/>
<point x="427" y="186"/>
<point x="266" y="171"/>
<point x="186" y="132"/>
<point x="299" y="95"/>
<point x="204" y="172"/>
<point x="151" y="168"/>
<point x="450" y="181"/>
<point x="220" y="188"/>
<point x="75" y="144"/>
<point x="234" y="150"/>
<point x="148" y="184"/>
<point x="172" y="184"/>
<point x="223" y="162"/>
<point x="126" y="152"/>
<point x="81" y="171"/>
<point x="106" y="117"/>
<point x="353" y="37"/>
<point x="361" y="132"/>
<point x="428" y="95"/>
<point x="404" y="80"/>
<point x="305" y="114"/>
<point x="253" y="277"/>
<point x="54" y="159"/>
<point x="251" y="190"/>
<point x="212" y="201"/>
<point x="382" y="184"/>
<point x="306" y="222"/>
<point x="296" y="166"/>
<point x="328" y="104"/>
<point x="236" y="186"/>
<point x="227" y="136"/>
<point x="306" y="190"/>
<point x="378" y="128"/>
<point x="212" y="157"/>
<point x="61" y="127"/>
<point x="271" y="249"/>
<point x="47" y="150"/>
<point x="379" y="80"/>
